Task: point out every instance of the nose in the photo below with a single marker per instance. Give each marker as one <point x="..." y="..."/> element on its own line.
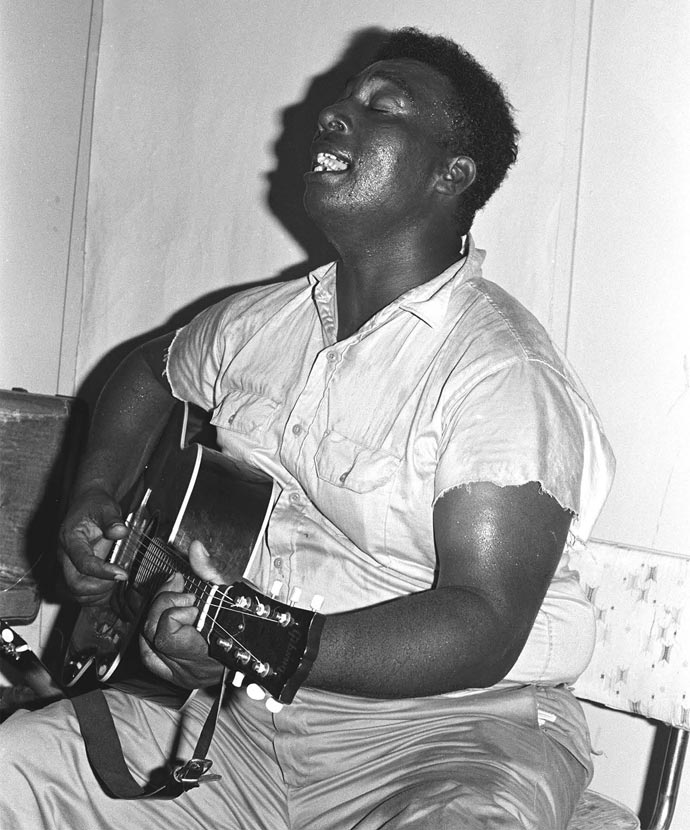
<point x="333" y="119"/>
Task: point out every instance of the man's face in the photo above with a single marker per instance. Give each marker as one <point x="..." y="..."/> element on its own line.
<point x="377" y="151"/>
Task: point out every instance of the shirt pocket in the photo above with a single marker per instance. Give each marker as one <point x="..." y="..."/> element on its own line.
<point x="352" y="466"/>
<point x="245" y="412"/>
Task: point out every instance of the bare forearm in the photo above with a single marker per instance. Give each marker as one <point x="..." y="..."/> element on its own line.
<point x="427" y="643"/>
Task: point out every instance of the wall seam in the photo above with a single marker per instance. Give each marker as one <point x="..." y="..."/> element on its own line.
<point x="578" y="186"/>
<point x="74" y="281"/>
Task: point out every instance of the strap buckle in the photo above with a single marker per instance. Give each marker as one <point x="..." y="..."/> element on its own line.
<point x="195" y="772"/>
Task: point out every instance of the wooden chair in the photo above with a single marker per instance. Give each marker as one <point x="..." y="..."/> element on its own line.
<point x="641" y="663"/>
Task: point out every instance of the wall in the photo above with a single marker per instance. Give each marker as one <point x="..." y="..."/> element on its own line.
<point x="628" y="324"/>
<point x="43" y="67"/>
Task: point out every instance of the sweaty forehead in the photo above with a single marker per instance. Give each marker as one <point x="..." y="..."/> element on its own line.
<point x="421" y="83"/>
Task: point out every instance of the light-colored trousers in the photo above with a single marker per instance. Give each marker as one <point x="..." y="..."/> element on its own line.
<point x="517" y="758"/>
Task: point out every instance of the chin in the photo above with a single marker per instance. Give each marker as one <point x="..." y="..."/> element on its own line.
<point x="318" y="208"/>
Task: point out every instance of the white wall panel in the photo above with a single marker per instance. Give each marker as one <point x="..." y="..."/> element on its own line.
<point x="629" y="329"/>
<point x="43" y="51"/>
<point x="192" y="102"/>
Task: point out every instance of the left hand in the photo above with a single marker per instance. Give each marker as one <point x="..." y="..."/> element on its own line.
<point x="171" y="647"/>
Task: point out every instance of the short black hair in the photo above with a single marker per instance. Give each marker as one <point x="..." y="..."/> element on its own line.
<point x="482" y="121"/>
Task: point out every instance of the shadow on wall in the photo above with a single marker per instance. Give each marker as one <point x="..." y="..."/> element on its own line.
<point x="284" y="196"/>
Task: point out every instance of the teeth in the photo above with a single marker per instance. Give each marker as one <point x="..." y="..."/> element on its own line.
<point x="327" y="162"/>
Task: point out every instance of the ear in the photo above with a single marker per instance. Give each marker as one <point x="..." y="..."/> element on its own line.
<point x="457" y="175"/>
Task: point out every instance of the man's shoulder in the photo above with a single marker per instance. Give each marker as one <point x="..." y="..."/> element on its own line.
<point x="255" y="303"/>
<point x="495" y="322"/>
<point x="267" y="293"/>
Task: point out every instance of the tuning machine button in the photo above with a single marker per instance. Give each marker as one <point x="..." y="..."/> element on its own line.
<point x="255" y="692"/>
<point x="273" y="705"/>
<point x="238" y="679"/>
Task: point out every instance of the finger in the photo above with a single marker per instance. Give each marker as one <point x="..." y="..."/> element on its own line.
<point x="90" y="592"/>
<point x="109" y="517"/>
<point x="116" y="530"/>
<point x="88" y="549"/>
<point x="176" y="636"/>
<point x="203" y="563"/>
<point x="163" y="601"/>
<point x="87" y="561"/>
<point x="83" y="587"/>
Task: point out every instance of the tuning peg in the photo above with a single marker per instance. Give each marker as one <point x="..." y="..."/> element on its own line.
<point x="238" y="679"/>
<point x="295" y="594"/>
<point x="273" y="705"/>
<point x="276" y="588"/>
<point x="283" y="618"/>
<point x="263" y="609"/>
<point x="316" y="602"/>
<point x="261" y="669"/>
<point x="255" y="692"/>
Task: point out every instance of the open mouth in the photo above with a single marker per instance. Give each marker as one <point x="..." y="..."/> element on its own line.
<point x="328" y="163"/>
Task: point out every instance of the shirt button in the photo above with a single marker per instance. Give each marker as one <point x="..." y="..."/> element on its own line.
<point x="294" y="498"/>
<point x="332" y="356"/>
<point x="296" y="429"/>
<point x="278" y="563"/>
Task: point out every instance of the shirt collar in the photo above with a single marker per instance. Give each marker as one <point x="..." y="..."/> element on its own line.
<point x="428" y="301"/>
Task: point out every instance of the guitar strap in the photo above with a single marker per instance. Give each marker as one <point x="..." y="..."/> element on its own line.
<point x="105" y="755"/>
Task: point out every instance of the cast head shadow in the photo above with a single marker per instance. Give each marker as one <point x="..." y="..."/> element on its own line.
<point x="283" y="198"/>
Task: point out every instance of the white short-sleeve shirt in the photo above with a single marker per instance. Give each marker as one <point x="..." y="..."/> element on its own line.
<point x="453" y="383"/>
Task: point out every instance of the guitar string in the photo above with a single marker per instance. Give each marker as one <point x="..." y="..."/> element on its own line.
<point x="212" y="606"/>
<point x="202" y="590"/>
<point x="162" y="550"/>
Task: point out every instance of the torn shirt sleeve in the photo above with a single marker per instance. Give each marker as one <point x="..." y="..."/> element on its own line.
<point x="525" y="422"/>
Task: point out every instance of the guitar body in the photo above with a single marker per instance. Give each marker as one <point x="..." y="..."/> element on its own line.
<point x="189" y="493"/>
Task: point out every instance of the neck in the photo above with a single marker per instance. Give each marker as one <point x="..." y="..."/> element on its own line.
<point x="372" y="276"/>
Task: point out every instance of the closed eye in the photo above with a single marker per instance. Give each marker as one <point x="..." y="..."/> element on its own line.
<point x="384" y="103"/>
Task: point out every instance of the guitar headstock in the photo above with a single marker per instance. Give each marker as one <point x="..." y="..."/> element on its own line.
<point x="270" y="644"/>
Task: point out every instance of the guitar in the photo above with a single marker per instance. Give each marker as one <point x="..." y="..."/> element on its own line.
<point x="186" y="493"/>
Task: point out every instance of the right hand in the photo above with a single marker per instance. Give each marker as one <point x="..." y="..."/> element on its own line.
<point x="93" y="522"/>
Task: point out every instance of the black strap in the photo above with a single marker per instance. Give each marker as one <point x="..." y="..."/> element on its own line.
<point x="104" y="751"/>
